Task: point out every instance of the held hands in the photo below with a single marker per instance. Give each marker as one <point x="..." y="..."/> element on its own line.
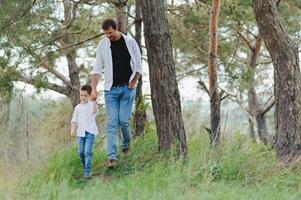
<point x="94" y="94"/>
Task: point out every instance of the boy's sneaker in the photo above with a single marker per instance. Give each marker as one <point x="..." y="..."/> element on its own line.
<point x="87" y="176"/>
<point x="126" y="152"/>
<point x="111" y="163"/>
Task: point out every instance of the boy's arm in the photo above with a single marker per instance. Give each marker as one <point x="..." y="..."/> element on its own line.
<point x="74" y="123"/>
<point x="73" y="129"/>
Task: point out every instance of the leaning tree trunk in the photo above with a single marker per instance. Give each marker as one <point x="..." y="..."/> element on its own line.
<point x="121" y="16"/>
<point x="213" y="86"/>
<point x="287" y="78"/>
<point x="74" y="78"/>
<point x="164" y="87"/>
<point x="140" y="111"/>
<point x="262" y="130"/>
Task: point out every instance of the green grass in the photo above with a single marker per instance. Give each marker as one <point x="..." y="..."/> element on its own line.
<point x="240" y="169"/>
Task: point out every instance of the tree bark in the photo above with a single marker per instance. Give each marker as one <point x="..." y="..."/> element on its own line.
<point x="213" y="86"/>
<point x="74" y="78"/>
<point x="70" y="54"/>
<point x="164" y="87"/>
<point x="262" y="129"/>
<point x="121" y="16"/>
<point x="284" y="54"/>
<point x="252" y="98"/>
<point x="140" y="111"/>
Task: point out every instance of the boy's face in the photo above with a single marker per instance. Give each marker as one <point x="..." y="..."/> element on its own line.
<point x="84" y="96"/>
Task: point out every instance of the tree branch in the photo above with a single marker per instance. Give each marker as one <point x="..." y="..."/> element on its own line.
<point x="52" y="86"/>
<point x="222" y="96"/>
<point x="180" y="76"/>
<point x="192" y="44"/>
<point x="22" y="15"/>
<point x="246" y="40"/>
<point x="264" y="63"/>
<point x="69" y="19"/>
<point x="267" y="106"/>
<point x="79" y="43"/>
<point x="204" y="87"/>
<point x="56" y="73"/>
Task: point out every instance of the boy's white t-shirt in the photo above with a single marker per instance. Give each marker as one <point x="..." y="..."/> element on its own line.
<point x="84" y="117"/>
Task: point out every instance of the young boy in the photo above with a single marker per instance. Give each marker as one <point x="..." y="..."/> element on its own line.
<point x="84" y="126"/>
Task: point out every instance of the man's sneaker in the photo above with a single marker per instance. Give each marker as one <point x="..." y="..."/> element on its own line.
<point x="126" y="152"/>
<point x="111" y="163"/>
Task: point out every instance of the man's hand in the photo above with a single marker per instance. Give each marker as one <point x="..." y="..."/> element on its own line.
<point x="132" y="84"/>
<point x="94" y="94"/>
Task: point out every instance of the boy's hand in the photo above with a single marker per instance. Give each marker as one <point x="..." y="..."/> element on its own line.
<point x="72" y="133"/>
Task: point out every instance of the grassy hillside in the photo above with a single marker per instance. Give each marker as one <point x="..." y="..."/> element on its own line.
<point x="238" y="170"/>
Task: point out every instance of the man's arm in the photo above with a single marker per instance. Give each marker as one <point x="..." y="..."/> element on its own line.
<point x="97" y="70"/>
<point x="94" y="82"/>
<point x="137" y="54"/>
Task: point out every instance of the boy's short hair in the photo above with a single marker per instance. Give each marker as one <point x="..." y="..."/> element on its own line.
<point x="106" y="24"/>
<point x="87" y="88"/>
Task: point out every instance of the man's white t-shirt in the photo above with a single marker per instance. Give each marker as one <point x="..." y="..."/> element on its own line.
<point x="84" y="117"/>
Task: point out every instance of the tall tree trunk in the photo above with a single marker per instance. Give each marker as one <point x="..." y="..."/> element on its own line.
<point x="121" y="16"/>
<point x="140" y="111"/>
<point x="164" y="87"/>
<point x="213" y="86"/>
<point x="251" y="110"/>
<point x="287" y="78"/>
<point x="74" y="78"/>
<point x="252" y="98"/>
<point x="70" y="53"/>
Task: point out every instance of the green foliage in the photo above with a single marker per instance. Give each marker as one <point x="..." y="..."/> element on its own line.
<point x="32" y="36"/>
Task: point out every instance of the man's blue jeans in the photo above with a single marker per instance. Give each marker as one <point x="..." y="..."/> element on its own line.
<point x="119" y="102"/>
<point x="85" y="145"/>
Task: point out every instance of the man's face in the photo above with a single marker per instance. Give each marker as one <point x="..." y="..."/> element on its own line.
<point x="111" y="34"/>
<point x="84" y="96"/>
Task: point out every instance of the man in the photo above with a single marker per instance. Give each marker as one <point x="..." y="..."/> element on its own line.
<point x="118" y="56"/>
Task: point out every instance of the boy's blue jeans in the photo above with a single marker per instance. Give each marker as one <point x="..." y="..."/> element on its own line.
<point x="119" y="102"/>
<point x="85" y="145"/>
